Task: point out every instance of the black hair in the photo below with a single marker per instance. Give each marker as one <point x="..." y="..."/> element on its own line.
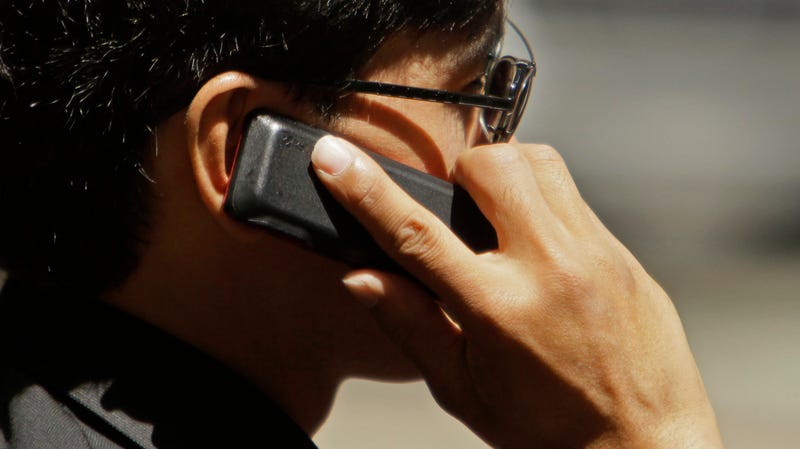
<point x="83" y="84"/>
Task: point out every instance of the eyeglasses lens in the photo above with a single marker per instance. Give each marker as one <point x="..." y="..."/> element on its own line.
<point x="522" y="103"/>
<point x="499" y="84"/>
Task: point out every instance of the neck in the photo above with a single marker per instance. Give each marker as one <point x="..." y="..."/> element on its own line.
<point x="277" y="334"/>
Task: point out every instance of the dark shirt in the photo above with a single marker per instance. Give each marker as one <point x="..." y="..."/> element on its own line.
<point x="80" y="374"/>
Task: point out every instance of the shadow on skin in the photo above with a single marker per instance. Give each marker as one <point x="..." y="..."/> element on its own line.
<point x="396" y="125"/>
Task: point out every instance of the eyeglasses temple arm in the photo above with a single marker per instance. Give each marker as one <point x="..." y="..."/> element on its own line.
<point x="418" y="93"/>
<point x="522" y="36"/>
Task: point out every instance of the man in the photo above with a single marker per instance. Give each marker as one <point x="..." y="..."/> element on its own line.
<point x="139" y="314"/>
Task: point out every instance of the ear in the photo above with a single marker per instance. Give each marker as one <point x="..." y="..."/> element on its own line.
<point x="214" y="124"/>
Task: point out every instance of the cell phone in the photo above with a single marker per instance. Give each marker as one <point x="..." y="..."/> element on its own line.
<point x="273" y="186"/>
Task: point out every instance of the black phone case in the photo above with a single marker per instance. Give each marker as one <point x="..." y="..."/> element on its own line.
<point x="273" y="186"/>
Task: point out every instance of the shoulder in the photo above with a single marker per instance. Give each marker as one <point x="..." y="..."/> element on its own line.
<point x="32" y="418"/>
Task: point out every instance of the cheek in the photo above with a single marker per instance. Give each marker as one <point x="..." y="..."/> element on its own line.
<point x="451" y="128"/>
<point x="426" y="136"/>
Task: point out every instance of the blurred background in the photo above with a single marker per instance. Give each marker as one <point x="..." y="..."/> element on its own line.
<point x="680" y="120"/>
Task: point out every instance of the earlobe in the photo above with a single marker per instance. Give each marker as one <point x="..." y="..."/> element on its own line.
<point x="214" y="123"/>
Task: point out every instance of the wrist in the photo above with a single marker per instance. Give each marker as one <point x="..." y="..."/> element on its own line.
<point x="695" y="431"/>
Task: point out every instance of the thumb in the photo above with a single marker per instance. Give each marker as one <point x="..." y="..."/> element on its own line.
<point x="407" y="313"/>
<point x="414" y="321"/>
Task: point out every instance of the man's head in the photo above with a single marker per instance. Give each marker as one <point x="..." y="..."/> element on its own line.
<point x="86" y="85"/>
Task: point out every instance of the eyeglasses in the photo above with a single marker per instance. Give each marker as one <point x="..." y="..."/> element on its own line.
<point x="507" y="87"/>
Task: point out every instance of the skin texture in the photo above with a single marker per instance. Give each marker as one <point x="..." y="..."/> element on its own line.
<point x="559" y="326"/>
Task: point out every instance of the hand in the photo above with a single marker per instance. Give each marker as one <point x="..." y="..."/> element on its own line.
<point x="559" y="338"/>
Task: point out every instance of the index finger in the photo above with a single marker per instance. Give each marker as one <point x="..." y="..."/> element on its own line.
<point x="408" y="232"/>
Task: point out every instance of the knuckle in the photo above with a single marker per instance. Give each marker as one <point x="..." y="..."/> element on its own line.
<point x="517" y="200"/>
<point x="503" y="157"/>
<point x="550" y="166"/>
<point x="467" y="156"/>
<point x="367" y="193"/>
<point x="557" y="174"/>
<point x="416" y="239"/>
<point x="546" y="153"/>
<point x="478" y="164"/>
<point x="494" y="158"/>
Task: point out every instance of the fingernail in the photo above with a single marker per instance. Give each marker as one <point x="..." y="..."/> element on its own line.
<point x="332" y="155"/>
<point x="365" y="288"/>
